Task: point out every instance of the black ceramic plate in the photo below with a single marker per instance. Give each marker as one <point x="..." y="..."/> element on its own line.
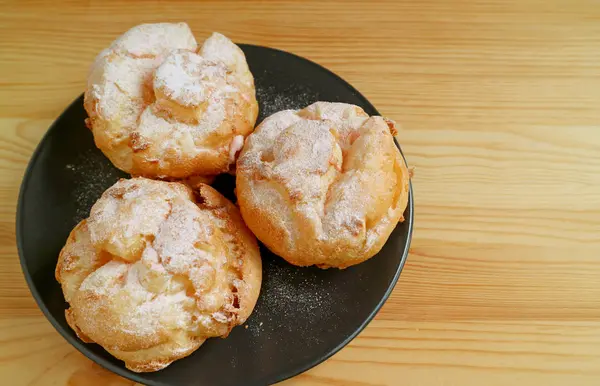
<point x="303" y="315"/>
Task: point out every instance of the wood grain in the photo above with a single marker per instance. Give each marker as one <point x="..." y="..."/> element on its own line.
<point x="500" y="106"/>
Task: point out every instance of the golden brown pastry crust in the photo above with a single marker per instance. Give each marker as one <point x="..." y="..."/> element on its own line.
<point x="160" y="106"/>
<point x="157" y="269"/>
<point x="322" y="186"/>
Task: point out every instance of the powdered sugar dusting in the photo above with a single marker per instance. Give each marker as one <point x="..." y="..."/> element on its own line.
<point x="294" y="98"/>
<point x="293" y="301"/>
<point x="91" y="174"/>
<point x="189" y="79"/>
<point x="176" y="237"/>
<point x="154" y="69"/>
<point x="126" y="213"/>
<point x="180" y="282"/>
<point x="321" y="166"/>
<point x="155" y="39"/>
<point x="218" y="48"/>
<point x="308" y="147"/>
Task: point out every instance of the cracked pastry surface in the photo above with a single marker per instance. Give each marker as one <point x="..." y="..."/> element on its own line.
<point x="325" y="185"/>
<point x="161" y="106"/>
<point x="156" y="270"/>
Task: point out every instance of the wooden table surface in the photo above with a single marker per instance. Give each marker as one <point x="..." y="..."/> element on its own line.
<point x="500" y="107"/>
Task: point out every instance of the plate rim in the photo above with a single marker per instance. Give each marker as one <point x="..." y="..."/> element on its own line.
<point x="120" y="369"/>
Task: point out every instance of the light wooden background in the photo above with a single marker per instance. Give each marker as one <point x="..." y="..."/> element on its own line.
<point x="500" y="106"/>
